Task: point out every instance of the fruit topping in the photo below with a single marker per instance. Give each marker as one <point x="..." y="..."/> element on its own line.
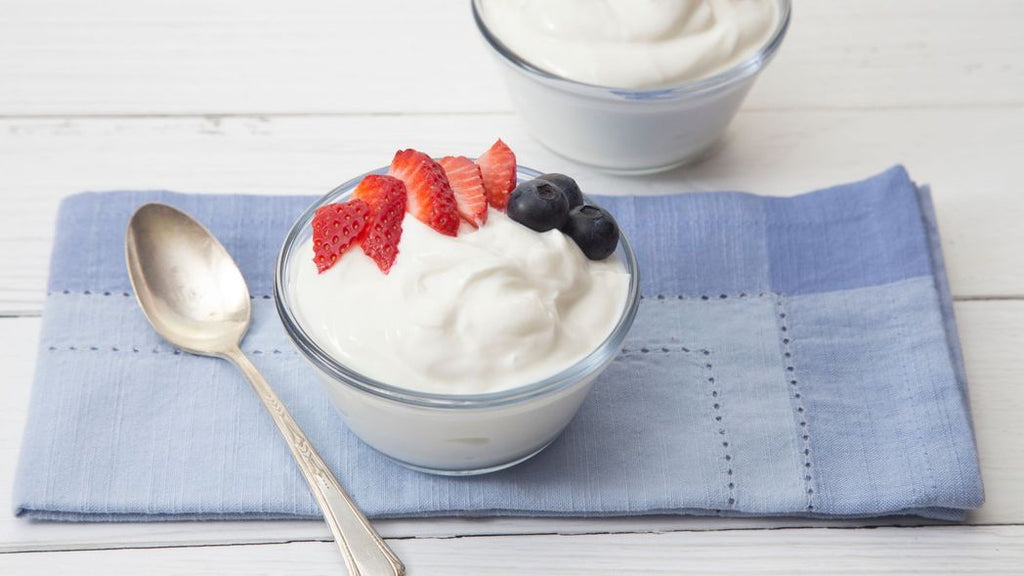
<point x="498" y="168"/>
<point x="468" y="186"/>
<point x="335" y="227"/>
<point x="441" y="194"/>
<point x="594" y="231"/>
<point x="539" y="205"/>
<point x="376" y="189"/>
<point x="568" y="186"/>
<point x="430" y="196"/>
<point x="384" y="231"/>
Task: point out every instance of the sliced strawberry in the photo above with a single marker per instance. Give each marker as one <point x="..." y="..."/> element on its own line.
<point x="430" y="197"/>
<point x="335" y="226"/>
<point x="384" y="231"/>
<point x="376" y="189"/>
<point x="498" y="168"/>
<point x="468" y="185"/>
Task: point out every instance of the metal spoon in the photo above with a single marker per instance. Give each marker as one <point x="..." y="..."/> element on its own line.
<point x="194" y="296"/>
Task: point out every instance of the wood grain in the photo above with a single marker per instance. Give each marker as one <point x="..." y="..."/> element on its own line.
<point x="425" y="56"/>
<point x="992" y="550"/>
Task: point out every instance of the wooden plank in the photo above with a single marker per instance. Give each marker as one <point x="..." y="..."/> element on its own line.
<point x="934" y="550"/>
<point x="992" y="336"/>
<point x="315" y="56"/>
<point x="193" y="56"/>
<point x="968" y="155"/>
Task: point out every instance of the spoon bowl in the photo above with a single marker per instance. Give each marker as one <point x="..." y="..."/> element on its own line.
<point x="194" y="295"/>
<point x="188" y="285"/>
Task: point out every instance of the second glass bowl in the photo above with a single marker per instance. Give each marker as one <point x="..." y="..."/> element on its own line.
<point x="629" y="131"/>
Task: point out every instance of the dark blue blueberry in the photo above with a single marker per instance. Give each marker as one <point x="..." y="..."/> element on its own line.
<point x="568" y="186"/>
<point x="539" y="205"/>
<point x="594" y="231"/>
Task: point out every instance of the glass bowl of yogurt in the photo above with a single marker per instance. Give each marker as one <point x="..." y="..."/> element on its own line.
<point x="474" y="352"/>
<point x="631" y="86"/>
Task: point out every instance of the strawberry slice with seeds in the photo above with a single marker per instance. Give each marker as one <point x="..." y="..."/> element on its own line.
<point x="430" y="196"/>
<point x="335" y="227"/>
<point x="384" y="231"/>
<point x="498" y="168"/>
<point x="468" y="186"/>
<point x="376" y="189"/>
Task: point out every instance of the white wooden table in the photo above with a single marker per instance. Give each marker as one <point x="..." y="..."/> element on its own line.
<point x="293" y="97"/>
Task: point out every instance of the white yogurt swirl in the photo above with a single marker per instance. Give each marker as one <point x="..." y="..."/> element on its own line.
<point x="635" y="44"/>
<point x="492" y="309"/>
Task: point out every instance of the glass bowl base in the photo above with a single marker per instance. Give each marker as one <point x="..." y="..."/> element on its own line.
<point x="474" y="471"/>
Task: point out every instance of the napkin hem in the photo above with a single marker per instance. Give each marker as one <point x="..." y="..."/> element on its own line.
<point x="941" y="514"/>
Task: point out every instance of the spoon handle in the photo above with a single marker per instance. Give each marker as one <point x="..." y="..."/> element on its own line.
<point x="366" y="554"/>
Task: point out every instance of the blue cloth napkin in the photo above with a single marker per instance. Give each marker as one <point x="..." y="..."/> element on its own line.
<point x="792" y="356"/>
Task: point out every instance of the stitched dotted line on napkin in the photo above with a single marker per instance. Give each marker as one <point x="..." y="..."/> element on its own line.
<point x="147" y="350"/>
<point x="129" y="294"/>
<point x="655" y="350"/>
<point x="90" y="293"/>
<point x="716" y="406"/>
<point x="723" y="434"/>
<point x="703" y="297"/>
<point x="794" y="386"/>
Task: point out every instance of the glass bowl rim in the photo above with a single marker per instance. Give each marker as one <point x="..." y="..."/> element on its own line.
<point x="748" y="67"/>
<point x="591" y="363"/>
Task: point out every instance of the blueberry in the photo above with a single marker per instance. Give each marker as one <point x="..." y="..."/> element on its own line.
<point x="538" y="204"/>
<point x="594" y="231"/>
<point x="568" y="186"/>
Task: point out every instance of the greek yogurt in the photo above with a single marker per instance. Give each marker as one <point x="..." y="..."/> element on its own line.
<point x="494" y="308"/>
<point x="638" y="44"/>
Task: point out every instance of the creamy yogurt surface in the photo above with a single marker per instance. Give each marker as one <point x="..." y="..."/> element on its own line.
<point x="635" y="44"/>
<point x="492" y="309"/>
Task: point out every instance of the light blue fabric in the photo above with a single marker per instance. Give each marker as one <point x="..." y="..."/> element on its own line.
<point x="791" y="356"/>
